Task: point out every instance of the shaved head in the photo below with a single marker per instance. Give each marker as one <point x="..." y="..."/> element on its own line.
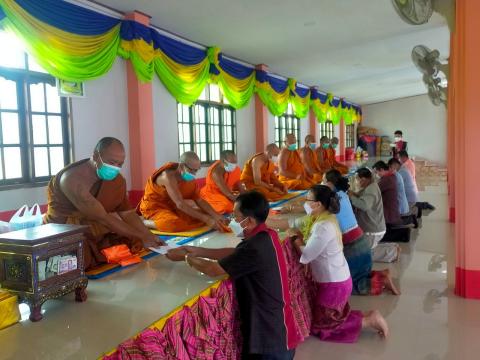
<point x="228" y="155"/>
<point x="190" y="159"/>
<point x="324" y="139"/>
<point x="334" y="140"/>
<point x="105" y="143"/>
<point x="109" y="150"/>
<point x="272" y="150"/>
<point x="309" y="139"/>
<point x="290" y="139"/>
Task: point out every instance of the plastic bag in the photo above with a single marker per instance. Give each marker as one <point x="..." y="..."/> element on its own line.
<point x="25" y="218"/>
<point x="4" y="227"/>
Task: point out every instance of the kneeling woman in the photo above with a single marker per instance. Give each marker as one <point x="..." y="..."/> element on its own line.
<point x="321" y="247"/>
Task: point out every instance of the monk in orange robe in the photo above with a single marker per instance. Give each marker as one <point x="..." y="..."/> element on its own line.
<point x="310" y="161"/>
<point x="333" y="159"/>
<point x="172" y="202"/>
<point x="259" y="174"/>
<point x="92" y="192"/>
<point x="223" y="183"/>
<point x="291" y="170"/>
<point x="322" y="155"/>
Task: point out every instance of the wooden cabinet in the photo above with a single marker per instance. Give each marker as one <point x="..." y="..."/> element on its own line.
<point x="42" y="263"/>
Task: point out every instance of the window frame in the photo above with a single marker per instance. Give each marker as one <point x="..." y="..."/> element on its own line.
<point x="327" y="129"/>
<point x="207" y="106"/>
<point x="23" y="79"/>
<point x="282" y="128"/>
<point x="350" y="136"/>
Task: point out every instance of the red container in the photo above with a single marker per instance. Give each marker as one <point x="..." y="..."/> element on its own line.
<point x="349" y="154"/>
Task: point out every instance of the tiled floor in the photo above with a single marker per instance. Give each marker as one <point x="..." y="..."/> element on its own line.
<point x="427" y="321"/>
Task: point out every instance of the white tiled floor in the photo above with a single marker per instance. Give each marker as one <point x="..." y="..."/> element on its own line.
<point x="427" y="321"/>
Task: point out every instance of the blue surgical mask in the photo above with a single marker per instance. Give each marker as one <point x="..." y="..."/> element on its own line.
<point x="334" y="146"/>
<point x="186" y="176"/>
<point x="292" y="147"/>
<point x="313" y="146"/>
<point x="106" y="171"/>
<point x="237" y="228"/>
<point x="326" y="146"/>
<point x="229" y="167"/>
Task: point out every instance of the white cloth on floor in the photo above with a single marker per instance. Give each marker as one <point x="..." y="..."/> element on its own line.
<point x="384" y="252"/>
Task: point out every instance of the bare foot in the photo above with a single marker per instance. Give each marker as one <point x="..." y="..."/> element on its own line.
<point x="388" y="282"/>
<point x="399" y="250"/>
<point x="373" y="319"/>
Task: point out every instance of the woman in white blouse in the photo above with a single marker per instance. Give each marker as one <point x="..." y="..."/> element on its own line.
<point x="320" y="243"/>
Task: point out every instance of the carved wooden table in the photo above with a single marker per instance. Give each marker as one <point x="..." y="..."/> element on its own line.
<point x="42" y="263"/>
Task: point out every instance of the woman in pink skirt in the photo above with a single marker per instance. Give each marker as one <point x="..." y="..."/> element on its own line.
<point x="320" y="243"/>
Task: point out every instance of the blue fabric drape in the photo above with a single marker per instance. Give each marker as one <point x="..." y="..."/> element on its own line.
<point x="234" y="69"/>
<point x="69" y="17"/>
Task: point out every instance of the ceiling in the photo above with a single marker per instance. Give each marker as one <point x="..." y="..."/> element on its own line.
<point x="357" y="49"/>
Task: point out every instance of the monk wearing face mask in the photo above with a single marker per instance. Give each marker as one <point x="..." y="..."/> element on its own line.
<point x="93" y="192"/>
<point x="172" y="202"/>
<point x="259" y="174"/>
<point x="292" y="172"/>
<point x="223" y="183"/>
<point x="309" y="159"/>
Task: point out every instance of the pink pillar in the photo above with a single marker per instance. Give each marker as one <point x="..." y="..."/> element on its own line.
<point x="467" y="127"/>
<point x="341" y="139"/>
<point x="261" y="119"/>
<point x="451" y="132"/>
<point x="140" y="123"/>
<point x="312" y="122"/>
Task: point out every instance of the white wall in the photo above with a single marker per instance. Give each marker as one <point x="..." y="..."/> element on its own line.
<point x="424" y="125"/>
<point x="103" y="112"/>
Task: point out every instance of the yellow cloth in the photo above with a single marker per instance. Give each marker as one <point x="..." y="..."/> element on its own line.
<point x="9" y="313"/>
<point x="190" y="233"/>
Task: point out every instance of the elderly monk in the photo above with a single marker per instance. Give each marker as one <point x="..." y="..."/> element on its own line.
<point x="310" y="161"/>
<point x="223" y="183"/>
<point x="332" y="159"/>
<point x="172" y="202"/>
<point x="93" y="192"/>
<point x="259" y="174"/>
<point x="291" y="170"/>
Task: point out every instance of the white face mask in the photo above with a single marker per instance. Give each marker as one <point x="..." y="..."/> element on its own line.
<point x="229" y="167"/>
<point x="275" y="159"/>
<point x="397" y="139"/>
<point x="237" y="228"/>
<point x="308" y="208"/>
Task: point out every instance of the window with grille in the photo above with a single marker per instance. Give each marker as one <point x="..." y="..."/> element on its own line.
<point x="208" y="127"/>
<point x="34" y="133"/>
<point x="350" y="136"/>
<point x="326" y="129"/>
<point x="288" y="123"/>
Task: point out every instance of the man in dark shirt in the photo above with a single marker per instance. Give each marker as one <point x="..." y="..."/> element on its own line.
<point x="258" y="267"/>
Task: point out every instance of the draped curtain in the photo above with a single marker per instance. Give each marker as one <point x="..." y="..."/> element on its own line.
<point x="77" y="44"/>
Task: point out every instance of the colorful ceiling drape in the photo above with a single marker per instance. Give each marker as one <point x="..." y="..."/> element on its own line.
<point x="77" y="44"/>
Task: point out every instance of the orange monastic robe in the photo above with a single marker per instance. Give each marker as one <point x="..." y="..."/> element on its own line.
<point x="113" y="197"/>
<point x="156" y="204"/>
<point x="323" y="160"/>
<point x="268" y="173"/>
<point x="331" y="155"/>
<point x="294" y="164"/>
<point x="212" y="194"/>
<point x="318" y="174"/>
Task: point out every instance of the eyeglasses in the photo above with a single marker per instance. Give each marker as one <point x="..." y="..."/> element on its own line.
<point x="311" y="200"/>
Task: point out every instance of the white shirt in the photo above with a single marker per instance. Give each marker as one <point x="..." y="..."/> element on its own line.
<point x="325" y="255"/>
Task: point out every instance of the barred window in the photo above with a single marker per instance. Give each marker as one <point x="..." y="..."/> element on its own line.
<point x="288" y="123"/>
<point x="326" y="129"/>
<point x="34" y="132"/>
<point x="208" y="127"/>
<point x="350" y="136"/>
